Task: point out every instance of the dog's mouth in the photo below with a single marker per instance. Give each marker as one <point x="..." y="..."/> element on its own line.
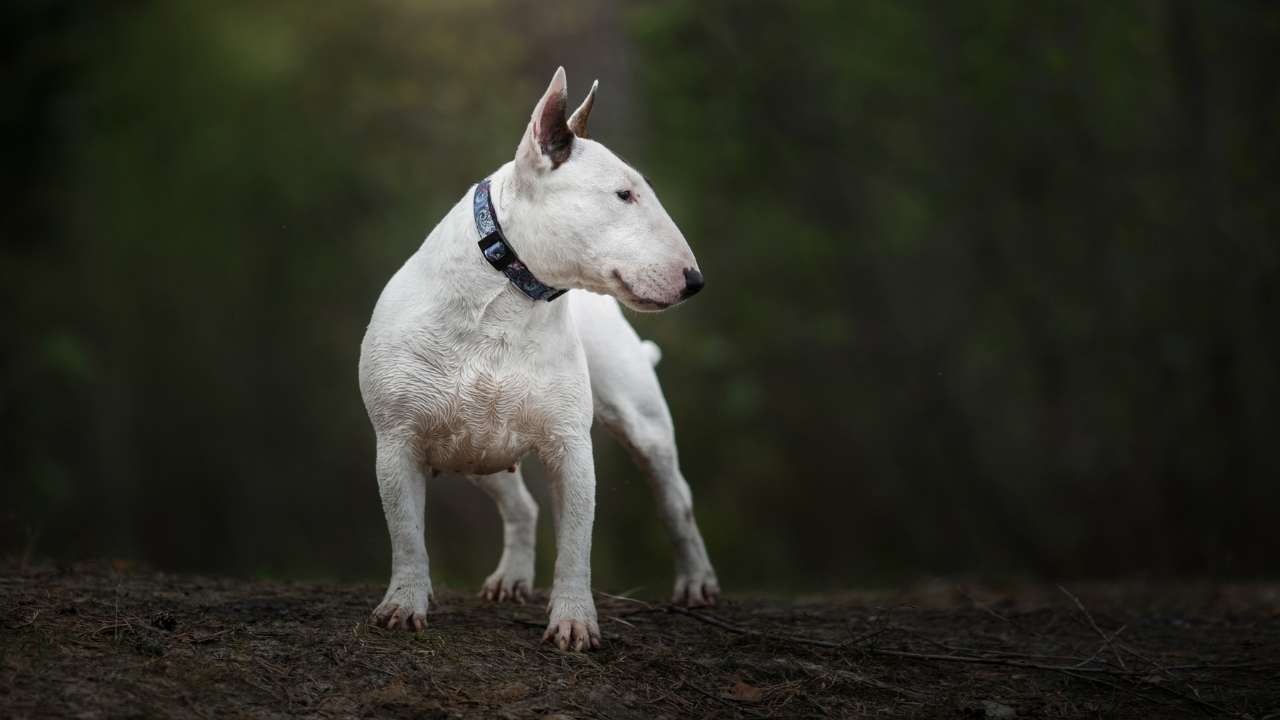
<point x="636" y="300"/>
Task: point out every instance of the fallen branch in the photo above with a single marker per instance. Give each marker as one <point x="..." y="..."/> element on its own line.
<point x="713" y="620"/>
<point x="1007" y="662"/>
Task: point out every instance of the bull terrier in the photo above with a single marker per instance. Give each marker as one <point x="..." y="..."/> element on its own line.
<point x="472" y="360"/>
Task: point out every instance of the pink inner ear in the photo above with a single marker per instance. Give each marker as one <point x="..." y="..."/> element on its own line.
<point x="551" y="129"/>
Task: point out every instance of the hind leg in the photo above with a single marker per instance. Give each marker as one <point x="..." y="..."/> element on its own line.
<point x="643" y="424"/>
<point x="513" y="579"/>
<point x="629" y="403"/>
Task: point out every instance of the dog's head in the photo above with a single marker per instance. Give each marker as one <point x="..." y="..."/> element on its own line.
<point x="599" y="223"/>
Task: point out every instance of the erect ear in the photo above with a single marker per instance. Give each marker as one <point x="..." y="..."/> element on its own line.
<point x="578" y="121"/>
<point x="548" y="141"/>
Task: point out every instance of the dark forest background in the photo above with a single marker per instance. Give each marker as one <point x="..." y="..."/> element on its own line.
<point x="992" y="286"/>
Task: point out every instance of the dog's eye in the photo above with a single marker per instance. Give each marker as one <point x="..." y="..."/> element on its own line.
<point x="624" y="195"/>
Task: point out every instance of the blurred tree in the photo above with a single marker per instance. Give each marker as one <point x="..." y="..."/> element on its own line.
<point x="989" y="284"/>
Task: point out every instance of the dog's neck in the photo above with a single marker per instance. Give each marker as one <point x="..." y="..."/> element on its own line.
<point x="454" y="267"/>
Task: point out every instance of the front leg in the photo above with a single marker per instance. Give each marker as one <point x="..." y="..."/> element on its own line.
<point x="403" y="489"/>
<point x="572" y="611"/>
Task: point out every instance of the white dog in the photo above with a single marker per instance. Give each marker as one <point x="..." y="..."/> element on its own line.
<point x="470" y="363"/>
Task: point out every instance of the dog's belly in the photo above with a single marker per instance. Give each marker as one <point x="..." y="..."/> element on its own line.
<point x="473" y="450"/>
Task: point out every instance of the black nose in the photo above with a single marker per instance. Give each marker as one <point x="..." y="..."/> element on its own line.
<point x="692" y="283"/>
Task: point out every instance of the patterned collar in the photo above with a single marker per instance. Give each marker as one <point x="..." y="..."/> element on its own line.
<point x="498" y="251"/>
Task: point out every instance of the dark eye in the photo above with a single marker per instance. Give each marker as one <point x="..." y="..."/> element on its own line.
<point x="624" y="195"/>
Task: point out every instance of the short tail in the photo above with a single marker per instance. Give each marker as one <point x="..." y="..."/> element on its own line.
<point x="651" y="351"/>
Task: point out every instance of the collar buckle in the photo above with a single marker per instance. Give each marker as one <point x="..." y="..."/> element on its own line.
<point x="496" y="251"/>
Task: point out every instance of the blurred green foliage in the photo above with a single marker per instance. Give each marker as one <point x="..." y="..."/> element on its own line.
<point x="991" y="285"/>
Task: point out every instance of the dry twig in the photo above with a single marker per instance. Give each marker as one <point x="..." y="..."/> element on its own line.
<point x="1106" y="639"/>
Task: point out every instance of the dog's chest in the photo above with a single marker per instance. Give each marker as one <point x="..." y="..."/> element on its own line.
<point x="496" y="405"/>
<point x="476" y="385"/>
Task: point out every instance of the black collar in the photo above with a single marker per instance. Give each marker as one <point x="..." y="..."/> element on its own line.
<point x="498" y="251"/>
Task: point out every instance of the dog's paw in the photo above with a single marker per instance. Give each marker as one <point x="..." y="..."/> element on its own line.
<point x="504" y="585"/>
<point x="697" y="589"/>
<point x="572" y="624"/>
<point x="405" y="605"/>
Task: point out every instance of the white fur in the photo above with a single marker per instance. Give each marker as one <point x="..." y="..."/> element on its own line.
<point x="462" y="373"/>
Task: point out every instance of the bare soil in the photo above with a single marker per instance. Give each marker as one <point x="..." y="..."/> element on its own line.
<point x="96" y="641"/>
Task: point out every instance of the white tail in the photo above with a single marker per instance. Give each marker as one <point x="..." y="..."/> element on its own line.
<point x="652" y="351"/>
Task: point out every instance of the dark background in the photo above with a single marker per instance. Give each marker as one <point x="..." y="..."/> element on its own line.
<point x="992" y="286"/>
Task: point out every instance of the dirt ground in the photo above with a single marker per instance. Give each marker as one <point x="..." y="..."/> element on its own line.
<point x="93" y="641"/>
